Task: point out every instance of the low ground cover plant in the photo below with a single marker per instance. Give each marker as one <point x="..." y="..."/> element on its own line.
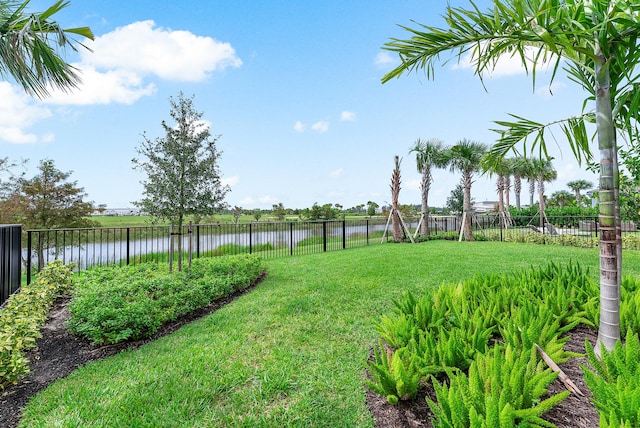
<point x="114" y="304"/>
<point x="475" y="341"/>
<point x="614" y="380"/>
<point x="24" y="314"/>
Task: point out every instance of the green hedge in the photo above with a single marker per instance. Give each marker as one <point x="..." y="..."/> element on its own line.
<point x="24" y="314"/>
<point x="115" y="304"/>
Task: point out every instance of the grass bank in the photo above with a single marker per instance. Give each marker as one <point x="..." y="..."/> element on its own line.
<point x="290" y="353"/>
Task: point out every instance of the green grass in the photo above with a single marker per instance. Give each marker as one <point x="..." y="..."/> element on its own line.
<point x="292" y="352"/>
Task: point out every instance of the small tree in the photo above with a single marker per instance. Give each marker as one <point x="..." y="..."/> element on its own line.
<point x="396" y="226"/>
<point x="183" y="177"/>
<point x="257" y="213"/>
<point x="49" y="201"/>
<point x="237" y="213"/>
<point x="455" y="201"/>
<point x="372" y="208"/>
<point x="279" y="212"/>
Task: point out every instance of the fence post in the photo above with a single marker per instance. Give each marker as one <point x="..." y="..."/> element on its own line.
<point x="291" y="239"/>
<point x="128" y="245"/>
<point x="250" y="237"/>
<point x="29" y="257"/>
<point x="324" y="236"/>
<point x="344" y="234"/>
<point x="367" y="232"/>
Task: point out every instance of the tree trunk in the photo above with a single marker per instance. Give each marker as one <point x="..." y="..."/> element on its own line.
<point x="500" y="188"/>
<point x="517" y="189"/>
<point x="425" y="185"/>
<point x="541" y="200"/>
<point x="532" y="190"/>
<point x="466" y="184"/>
<point x="610" y="255"/>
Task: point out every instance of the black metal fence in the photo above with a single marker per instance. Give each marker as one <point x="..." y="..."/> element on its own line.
<point x="10" y="260"/>
<point x="132" y="245"/>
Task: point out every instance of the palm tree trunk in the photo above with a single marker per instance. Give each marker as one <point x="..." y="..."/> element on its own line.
<point x="541" y="199"/>
<point x="517" y="189"/>
<point x="500" y="188"/>
<point x="532" y="190"/>
<point x="466" y="184"/>
<point x="425" y="186"/>
<point x="610" y="254"/>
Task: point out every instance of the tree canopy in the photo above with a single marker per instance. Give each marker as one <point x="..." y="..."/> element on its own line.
<point x="183" y="176"/>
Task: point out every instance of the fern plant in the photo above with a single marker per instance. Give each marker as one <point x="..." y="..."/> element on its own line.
<point x="502" y="389"/>
<point x="395" y="374"/>
<point x="614" y="381"/>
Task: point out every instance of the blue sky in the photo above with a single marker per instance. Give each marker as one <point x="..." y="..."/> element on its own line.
<point x="292" y="88"/>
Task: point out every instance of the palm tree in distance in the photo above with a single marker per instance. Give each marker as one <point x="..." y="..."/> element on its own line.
<point x="545" y="173"/>
<point x="395" y="207"/>
<point x="502" y="169"/>
<point x="466" y="157"/>
<point x="31" y="46"/>
<point x="519" y="170"/>
<point x="577" y="186"/>
<point x="595" y="42"/>
<point x="430" y="153"/>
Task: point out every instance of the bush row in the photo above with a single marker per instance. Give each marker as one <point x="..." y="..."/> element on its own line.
<point x="24" y="314"/>
<point x="114" y="304"/>
<point x="475" y="342"/>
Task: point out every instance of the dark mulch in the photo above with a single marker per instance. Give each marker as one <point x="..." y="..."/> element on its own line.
<point x="58" y="353"/>
<point x="574" y="412"/>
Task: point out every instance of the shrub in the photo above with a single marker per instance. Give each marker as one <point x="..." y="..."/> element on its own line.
<point x="24" y="314"/>
<point x="115" y="304"/>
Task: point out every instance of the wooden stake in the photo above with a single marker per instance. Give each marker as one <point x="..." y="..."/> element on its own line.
<point x="561" y="375"/>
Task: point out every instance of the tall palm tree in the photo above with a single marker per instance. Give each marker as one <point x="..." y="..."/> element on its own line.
<point x="519" y="170"/>
<point x="502" y="169"/>
<point x="577" y="186"/>
<point x="595" y="42"/>
<point x="466" y="157"/>
<point x="395" y="207"/>
<point x="31" y="45"/>
<point x="430" y="153"/>
<point x="545" y="173"/>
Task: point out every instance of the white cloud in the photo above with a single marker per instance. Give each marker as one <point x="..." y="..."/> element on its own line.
<point x="247" y="201"/>
<point x="18" y="112"/>
<point x="507" y="65"/>
<point x="321" y="126"/>
<point x="348" y="116"/>
<point x="230" y="181"/>
<point x="336" y="173"/>
<point x="169" y="54"/>
<point x="384" y="59"/>
<point x="299" y="127"/>
<point x="121" y="61"/>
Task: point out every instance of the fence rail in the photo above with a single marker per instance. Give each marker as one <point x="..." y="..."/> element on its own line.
<point x="132" y="245"/>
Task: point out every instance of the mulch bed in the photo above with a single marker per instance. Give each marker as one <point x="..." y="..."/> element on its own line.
<point x="58" y="353"/>
<point x="574" y="412"/>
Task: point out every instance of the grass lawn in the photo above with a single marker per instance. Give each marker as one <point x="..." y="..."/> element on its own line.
<point x="292" y="352"/>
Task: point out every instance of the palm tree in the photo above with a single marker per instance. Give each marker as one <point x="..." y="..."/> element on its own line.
<point x="466" y="157"/>
<point x="561" y="198"/>
<point x="519" y="170"/>
<point x="429" y="154"/>
<point x="595" y="42"/>
<point x="502" y="169"/>
<point x="545" y="173"/>
<point x="395" y="193"/>
<point x="31" y="46"/>
<point x="577" y="186"/>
